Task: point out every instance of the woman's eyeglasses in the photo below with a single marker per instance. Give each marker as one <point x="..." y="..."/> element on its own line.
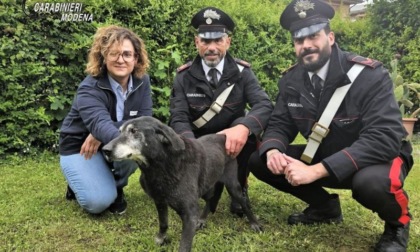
<point x="126" y="55"/>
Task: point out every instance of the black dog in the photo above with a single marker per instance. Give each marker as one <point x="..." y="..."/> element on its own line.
<point x="178" y="171"/>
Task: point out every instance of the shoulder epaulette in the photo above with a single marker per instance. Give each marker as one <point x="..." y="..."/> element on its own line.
<point x="183" y="67"/>
<point x="364" y="61"/>
<point x="242" y="63"/>
<point x="289" y="69"/>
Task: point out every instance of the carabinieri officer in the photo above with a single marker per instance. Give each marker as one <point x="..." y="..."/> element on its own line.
<point x="214" y="75"/>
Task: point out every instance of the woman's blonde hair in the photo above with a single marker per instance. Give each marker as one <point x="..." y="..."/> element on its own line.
<point x="104" y="38"/>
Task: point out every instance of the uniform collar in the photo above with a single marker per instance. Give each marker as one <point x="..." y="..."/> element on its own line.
<point x="322" y="73"/>
<point x="219" y="67"/>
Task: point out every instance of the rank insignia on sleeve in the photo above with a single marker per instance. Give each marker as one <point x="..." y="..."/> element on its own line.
<point x="183" y="67"/>
<point x="242" y="62"/>
<point x="365" y="61"/>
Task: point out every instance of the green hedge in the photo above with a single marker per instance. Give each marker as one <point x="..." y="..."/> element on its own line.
<point x="43" y="58"/>
<point x="41" y="66"/>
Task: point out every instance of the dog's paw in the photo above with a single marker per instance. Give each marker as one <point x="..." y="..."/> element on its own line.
<point x="200" y="224"/>
<point x="161" y="239"/>
<point x="257" y="227"/>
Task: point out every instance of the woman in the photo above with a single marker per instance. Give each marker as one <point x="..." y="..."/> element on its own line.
<point x="116" y="89"/>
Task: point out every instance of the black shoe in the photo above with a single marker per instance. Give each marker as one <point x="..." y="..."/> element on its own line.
<point x="330" y="212"/>
<point x="120" y="205"/>
<point x="236" y="208"/>
<point x="70" y="194"/>
<point x="394" y="239"/>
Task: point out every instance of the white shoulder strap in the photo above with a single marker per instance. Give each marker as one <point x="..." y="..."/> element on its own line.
<point x="215" y="108"/>
<point x="217" y="105"/>
<point x="321" y="128"/>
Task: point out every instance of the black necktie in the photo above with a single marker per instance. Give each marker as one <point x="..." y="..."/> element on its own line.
<point x="213" y="78"/>
<point x="316" y="82"/>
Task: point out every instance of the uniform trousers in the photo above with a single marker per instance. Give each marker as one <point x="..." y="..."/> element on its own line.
<point x="377" y="187"/>
<point x="242" y="159"/>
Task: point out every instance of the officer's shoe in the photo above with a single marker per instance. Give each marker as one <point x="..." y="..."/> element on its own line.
<point x="394" y="239"/>
<point x="328" y="213"/>
<point x="120" y="204"/>
<point x="70" y="194"/>
<point x="236" y="208"/>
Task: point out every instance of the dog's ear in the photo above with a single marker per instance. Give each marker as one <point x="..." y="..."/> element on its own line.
<point x="168" y="136"/>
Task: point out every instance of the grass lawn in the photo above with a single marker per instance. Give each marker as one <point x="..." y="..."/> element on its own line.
<point x="34" y="216"/>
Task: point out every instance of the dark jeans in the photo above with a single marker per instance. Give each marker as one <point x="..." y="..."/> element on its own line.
<point x="377" y="187"/>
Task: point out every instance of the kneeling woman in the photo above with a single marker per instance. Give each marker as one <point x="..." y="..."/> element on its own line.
<point x="116" y="89"/>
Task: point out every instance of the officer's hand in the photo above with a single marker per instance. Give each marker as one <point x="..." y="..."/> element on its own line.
<point x="276" y="161"/>
<point x="298" y="173"/>
<point x="90" y="147"/>
<point x="236" y="138"/>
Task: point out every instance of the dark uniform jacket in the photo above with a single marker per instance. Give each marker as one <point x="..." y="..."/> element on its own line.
<point x="192" y="96"/>
<point x="94" y="111"/>
<point x="366" y="130"/>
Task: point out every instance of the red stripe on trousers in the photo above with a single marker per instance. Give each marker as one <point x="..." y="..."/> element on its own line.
<point x="397" y="190"/>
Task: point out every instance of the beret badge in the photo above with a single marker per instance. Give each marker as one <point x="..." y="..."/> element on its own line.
<point x="210" y="15"/>
<point x="302" y="6"/>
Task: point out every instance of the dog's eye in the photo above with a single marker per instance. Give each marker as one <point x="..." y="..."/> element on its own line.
<point x="133" y="131"/>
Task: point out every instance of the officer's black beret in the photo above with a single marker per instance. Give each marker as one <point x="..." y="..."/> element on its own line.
<point x="212" y="23"/>
<point x="306" y="17"/>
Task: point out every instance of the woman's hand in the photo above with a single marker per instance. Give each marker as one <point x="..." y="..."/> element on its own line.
<point x="90" y="147"/>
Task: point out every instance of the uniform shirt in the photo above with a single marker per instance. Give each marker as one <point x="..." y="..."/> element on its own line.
<point x="322" y="73"/>
<point x="219" y="68"/>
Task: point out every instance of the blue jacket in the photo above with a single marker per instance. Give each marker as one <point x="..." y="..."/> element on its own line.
<point x="94" y="111"/>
